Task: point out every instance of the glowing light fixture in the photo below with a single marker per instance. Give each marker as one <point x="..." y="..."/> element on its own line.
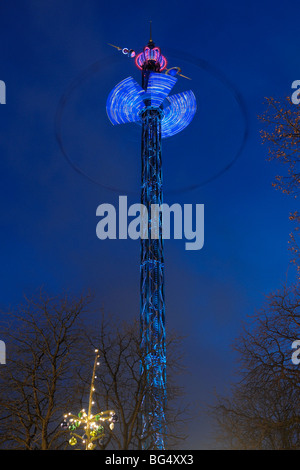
<point x="159" y="86"/>
<point x="153" y="54"/>
<point x="125" y="102"/>
<point x="178" y="113"/>
<point x="128" y="100"/>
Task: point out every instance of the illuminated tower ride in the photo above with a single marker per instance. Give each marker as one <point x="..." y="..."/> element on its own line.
<point x="160" y="116"/>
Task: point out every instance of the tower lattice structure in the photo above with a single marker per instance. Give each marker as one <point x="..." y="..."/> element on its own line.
<point x="160" y="116"/>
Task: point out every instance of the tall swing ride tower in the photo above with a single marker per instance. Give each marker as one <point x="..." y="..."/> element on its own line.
<point x="160" y="116"/>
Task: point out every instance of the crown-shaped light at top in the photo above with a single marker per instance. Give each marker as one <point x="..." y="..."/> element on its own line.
<point x="151" y="55"/>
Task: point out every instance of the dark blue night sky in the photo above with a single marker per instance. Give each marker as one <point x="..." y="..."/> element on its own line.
<point x="236" y="48"/>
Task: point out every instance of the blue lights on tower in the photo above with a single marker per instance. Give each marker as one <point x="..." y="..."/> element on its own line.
<point x="158" y="88"/>
<point x="127" y="101"/>
<point x="160" y="115"/>
<point x="178" y="113"/>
